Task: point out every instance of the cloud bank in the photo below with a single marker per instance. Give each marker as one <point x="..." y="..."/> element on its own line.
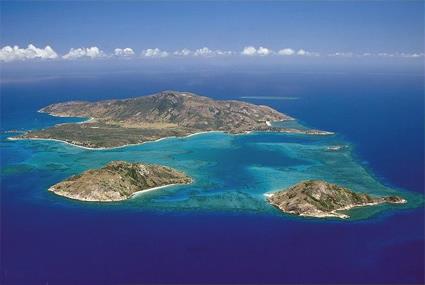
<point x="154" y="52"/>
<point x="9" y="53"/>
<point x="252" y="51"/>
<point x="183" y="52"/>
<point x="208" y="52"/>
<point x="286" y="51"/>
<point x="126" y="52"/>
<point x="302" y="52"/>
<point x="15" y="53"/>
<point x="263" y="51"/>
<point x="91" y="52"/>
<point x="201" y="52"/>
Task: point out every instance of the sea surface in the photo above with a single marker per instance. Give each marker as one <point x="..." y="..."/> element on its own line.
<point x="220" y="229"/>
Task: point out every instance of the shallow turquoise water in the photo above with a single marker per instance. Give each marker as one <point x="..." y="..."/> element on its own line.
<point x="231" y="172"/>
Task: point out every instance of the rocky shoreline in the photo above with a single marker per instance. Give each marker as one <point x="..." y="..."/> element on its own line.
<point x="319" y="199"/>
<point x="117" y="181"/>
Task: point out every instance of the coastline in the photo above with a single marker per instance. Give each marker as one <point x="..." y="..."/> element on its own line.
<point x="86" y="121"/>
<point x="332" y="214"/>
<point x="157" y="140"/>
<point x="106" y="148"/>
<point x="133" y="195"/>
<point x="52" y="189"/>
<point x="56" y="140"/>
<point x="138" y="193"/>
<point x="109" y="148"/>
<point x="200" y="133"/>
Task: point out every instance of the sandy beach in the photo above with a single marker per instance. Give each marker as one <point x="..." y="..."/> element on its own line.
<point x="150" y="189"/>
<point x="108" y="148"/>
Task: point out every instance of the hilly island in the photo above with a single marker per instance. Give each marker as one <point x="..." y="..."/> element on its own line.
<point x="118" y="180"/>
<point x="116" y="123"/>
<point x="316" y="198"/>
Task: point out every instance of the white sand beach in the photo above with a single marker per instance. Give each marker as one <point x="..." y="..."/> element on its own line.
<point x="149" y="190"/>
<point x="108" y="148"/>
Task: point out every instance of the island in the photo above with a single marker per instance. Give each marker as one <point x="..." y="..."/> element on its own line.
<point x="118" y="180"/>
<point x="117" y="123"/>
<point x="316" y="198"/>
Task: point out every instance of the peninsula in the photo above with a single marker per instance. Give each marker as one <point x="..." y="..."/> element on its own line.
<point x="118" y="181"/>
<point x="316" y="198"/>
<point x="116" y="123"/>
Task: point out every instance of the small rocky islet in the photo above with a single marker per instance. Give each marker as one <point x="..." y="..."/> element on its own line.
<point x="320" y="199"/>
<point x="117" y="181"/>
<point x="120" y="180"/>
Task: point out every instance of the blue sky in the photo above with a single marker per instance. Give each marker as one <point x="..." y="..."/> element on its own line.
<point x="323" y="27"/>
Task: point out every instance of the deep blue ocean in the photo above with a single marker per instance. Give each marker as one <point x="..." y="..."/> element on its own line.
<point x="220" y="230"/>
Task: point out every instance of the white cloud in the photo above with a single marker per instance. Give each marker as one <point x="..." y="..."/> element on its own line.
<point x="385" y="54"/>
<point x="203" y="52"/>
<point x="252" y="51"/>
<point x="379" y="54"/>
<point x="249" y="51"/>
<point x="9" y="53"/>
<point x="183" y="52"/>
<point x="126" y="52"/>
<point x="303" y="52"/>
<point x="342" y="54"/>
<point x="263" y="51"/>
<point x="91" y="52"/>
<point x="412" y="55"/>
<point x="154" y="52"/>
<point x="208" y="52"/>
<point x="286" y="51"/>
<point x="223" y="52"/>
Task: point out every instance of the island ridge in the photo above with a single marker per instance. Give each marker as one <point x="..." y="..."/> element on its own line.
<point x="116" y="123"/>
<point x="316" y="198"/>
<point x="118" y="180"/>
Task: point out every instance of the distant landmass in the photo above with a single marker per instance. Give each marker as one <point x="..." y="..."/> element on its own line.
<point x="316" y="198"/>
<point x="116" y="123"/>
<point x="118" y="181"/>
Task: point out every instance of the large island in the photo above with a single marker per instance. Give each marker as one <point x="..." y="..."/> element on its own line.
<point x="316" y="198"/>
<point x="118" y="181"/>
<point x="116" y="123"/>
